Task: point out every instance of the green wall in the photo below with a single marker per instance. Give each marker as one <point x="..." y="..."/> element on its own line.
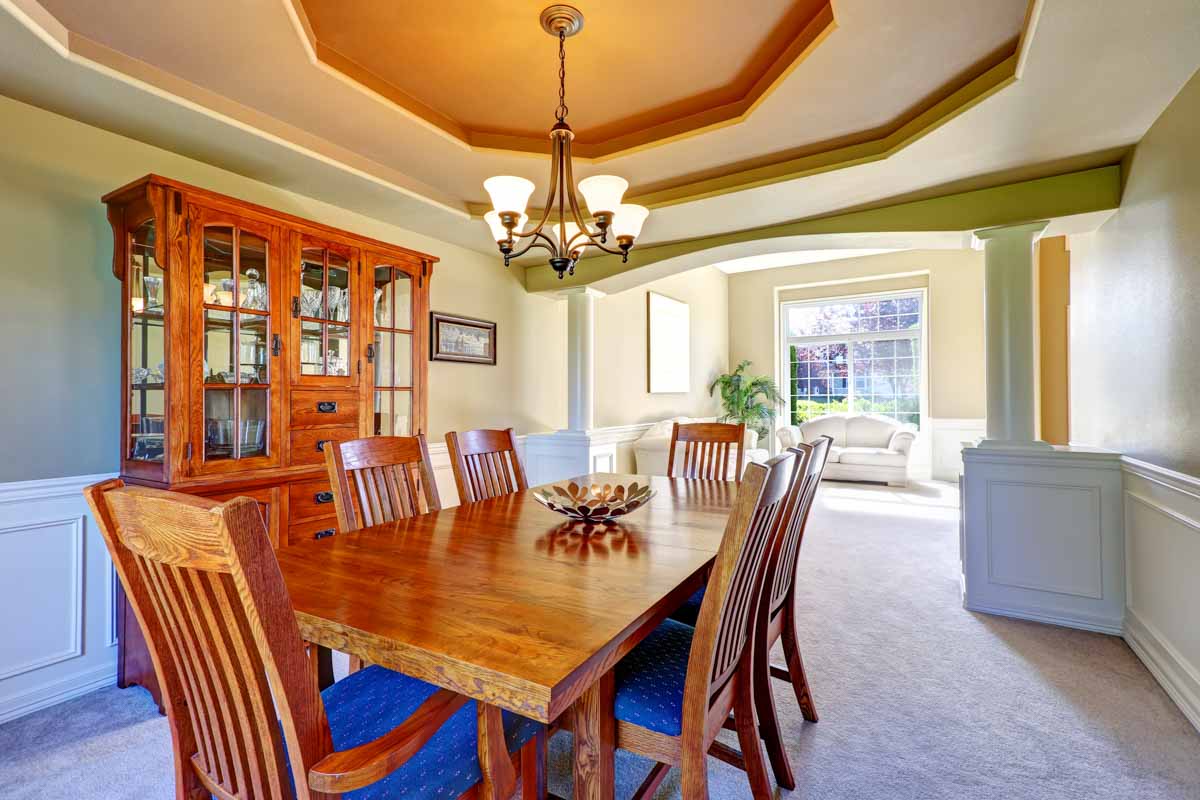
<point x="60" y="353"/>
<point x="60" y="360"/>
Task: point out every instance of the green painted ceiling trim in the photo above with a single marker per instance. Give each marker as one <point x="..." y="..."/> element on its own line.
<point x="1080" y="192"/>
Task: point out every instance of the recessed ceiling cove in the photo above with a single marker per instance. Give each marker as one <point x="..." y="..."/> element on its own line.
<point x="484" y="71"/>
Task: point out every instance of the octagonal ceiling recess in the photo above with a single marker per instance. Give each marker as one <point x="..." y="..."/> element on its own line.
<point x="643" y="73"/>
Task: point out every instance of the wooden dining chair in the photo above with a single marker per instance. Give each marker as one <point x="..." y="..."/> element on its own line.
<point x="705" y="450"/>
<point x="380" y="479"/>
<point x="485" y="464"/>
<point x="777" y="617"/>
<point x="677" y="687"/>
<point x="246" y="718"/>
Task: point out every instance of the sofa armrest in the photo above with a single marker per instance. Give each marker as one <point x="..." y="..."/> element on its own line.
<point x="901" y="441"/>
<point x="789" y="436"/>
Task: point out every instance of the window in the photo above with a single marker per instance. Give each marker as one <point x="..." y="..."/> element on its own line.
<point x="858" y="354"/>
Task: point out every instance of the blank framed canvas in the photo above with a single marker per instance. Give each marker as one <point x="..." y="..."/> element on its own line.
<point x="669" y="357"/>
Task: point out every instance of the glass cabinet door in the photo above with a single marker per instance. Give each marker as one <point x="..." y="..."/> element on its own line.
<point x="392" y="352"/>
<point x="322" y="304"/>
<point x="146" y="285"/>
<point x="238" y="341"/>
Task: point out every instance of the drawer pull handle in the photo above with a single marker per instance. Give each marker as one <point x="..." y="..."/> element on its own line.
<point x="325" y="533"/>
<point x="321" y="444"/>
<point x="321" y="498"/>
<point x="327" y="406"/>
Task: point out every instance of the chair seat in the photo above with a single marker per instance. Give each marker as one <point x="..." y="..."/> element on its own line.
<point x="370" y="702"/>
<point x="650" y="679"/>
<point x="689" y="612"/>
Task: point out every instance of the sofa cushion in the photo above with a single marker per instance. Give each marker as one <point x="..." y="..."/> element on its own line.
<point x="869" y="431"/>
<point x="833" y="426"/>
<point x="663" y="428"/>
<point x="872" y="457"/>
<point x="834" y="454"/>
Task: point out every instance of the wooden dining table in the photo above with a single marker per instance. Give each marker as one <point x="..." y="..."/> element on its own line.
<point x="509" y="603"/>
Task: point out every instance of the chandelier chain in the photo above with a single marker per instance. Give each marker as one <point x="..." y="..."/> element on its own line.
<point x="561" y="112"/>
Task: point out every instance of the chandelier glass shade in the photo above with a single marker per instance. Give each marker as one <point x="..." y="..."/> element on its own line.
<point x="563" y="229"/>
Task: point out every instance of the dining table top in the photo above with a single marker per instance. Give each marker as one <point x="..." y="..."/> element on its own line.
<point x="504" y="600"/>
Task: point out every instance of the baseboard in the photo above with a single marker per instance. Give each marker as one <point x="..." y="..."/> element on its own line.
<point x="1112" y="627"/>
<point x="61" y="690"/>
<point x="1177" y="677"/>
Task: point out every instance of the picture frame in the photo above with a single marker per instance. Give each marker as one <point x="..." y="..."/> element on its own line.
<point x="668" y="345"/>
<point x="465" y="340"/>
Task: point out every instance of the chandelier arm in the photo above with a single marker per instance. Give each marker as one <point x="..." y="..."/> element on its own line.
<point x="584" y="230"/>
<point x="534" y="242"/>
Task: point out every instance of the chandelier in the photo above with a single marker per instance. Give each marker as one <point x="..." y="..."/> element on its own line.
<point x="570" y="233"/>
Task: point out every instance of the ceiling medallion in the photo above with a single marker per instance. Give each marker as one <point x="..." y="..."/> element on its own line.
<point x="569" y="235"/>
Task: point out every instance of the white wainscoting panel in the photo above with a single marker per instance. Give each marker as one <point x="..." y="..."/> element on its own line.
<point x="947" y="439"/>
<point x="564" y="454"/>
<point x="1061" y="524"/>
<point x="1043" y="536"/>
<point x="45" y="560"/>
<point x="1162" y="543"/>
<point x="57" y="639"/>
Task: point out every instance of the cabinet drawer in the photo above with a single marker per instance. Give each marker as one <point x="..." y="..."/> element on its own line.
<point x="307" y="447"/>
<point x="311" y="408"/>
<point x="307" y="530"/>
<point x="268" y="504"/>
<point x="310" y="499"/>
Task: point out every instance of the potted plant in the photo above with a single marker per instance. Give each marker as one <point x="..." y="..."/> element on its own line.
<point x="751" y="399"/>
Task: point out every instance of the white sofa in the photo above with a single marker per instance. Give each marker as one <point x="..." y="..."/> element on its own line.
<point x="865" y="447"/>
<point x="653" y="446"/>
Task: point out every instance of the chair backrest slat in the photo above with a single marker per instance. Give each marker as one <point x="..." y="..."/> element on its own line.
<point x="735" y="585"/>
<point x="781" y="569"/>
<point x="381" y="479"/>
<point x="705" y="451"/>
<point x="206" y="589"/>
<point x="485" y="464"/>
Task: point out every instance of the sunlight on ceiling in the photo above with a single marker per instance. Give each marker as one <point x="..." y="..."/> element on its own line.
<point x="796" y="258"/>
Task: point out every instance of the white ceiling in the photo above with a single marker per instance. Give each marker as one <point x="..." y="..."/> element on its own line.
<point x="1096" y="74"/>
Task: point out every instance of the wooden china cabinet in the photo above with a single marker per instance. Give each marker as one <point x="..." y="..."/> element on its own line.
<point x="251" y="339"/>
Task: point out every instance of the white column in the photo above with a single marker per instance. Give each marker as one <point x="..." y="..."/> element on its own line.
<point x="1010" y="317"/>
<point x="580" y="449"/>
<point x="581" y="360"/>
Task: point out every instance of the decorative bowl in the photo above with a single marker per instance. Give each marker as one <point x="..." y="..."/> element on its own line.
<point x="595" y="503"/>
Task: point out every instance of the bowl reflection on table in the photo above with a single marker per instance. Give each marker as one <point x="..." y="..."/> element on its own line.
<point x="588" y="539"/>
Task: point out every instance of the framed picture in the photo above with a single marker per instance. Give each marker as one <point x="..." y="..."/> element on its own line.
<point x="668" y="349"/>
<point x="454" y="338"/>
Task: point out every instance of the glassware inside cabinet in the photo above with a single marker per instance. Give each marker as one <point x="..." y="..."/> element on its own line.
<point x="236" y="343"/>
<point x="323" y="306"/>
<point x="393" y="351"/>
<point x="147" y="347"/>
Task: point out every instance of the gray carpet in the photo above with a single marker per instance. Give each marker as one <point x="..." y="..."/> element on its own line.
<point x="918" y="698"/>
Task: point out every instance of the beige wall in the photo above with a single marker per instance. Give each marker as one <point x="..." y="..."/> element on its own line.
<point x="1135" y="303"/>
<point x="1135" y="384"/>
<point x="955" y="314"/>
<point x="61" y="301"/>
<point x="621" y="396"/>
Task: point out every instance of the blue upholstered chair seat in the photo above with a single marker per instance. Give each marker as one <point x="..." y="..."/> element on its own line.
<point x="650" y="679"/>
<point x="689" y="612"/>
<point x="369" y="703"/>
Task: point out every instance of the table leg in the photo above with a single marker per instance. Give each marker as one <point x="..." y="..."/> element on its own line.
<point x="320" y="660"/>
<point x="595" y="741"/>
